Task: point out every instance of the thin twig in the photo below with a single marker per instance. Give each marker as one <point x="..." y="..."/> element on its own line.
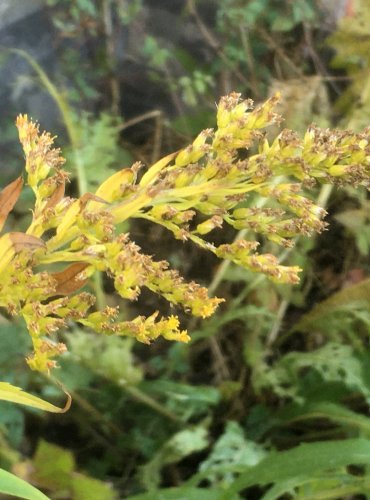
<point x="249" y="59"/>
<point x="140" y="396"/>
<point x="320" y="67"/>
<point x="280" y="52"/>
<point x="66" y="113"/>
<point x="221" y="363"/>
<point x="212" y="42"/>
<point x="322" y="201"/>
<point x="271" y="337"/>
<point x="138" y="119"/>
<point x="110" y="51"/>
<point x="157" y="139"/>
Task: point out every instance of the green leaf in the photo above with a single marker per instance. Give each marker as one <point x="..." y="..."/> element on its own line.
<point x="282" y="23"/>
<point x="334" y="363"/>
<point x="327" y="410"/>
<point x="13" y="485"/>
<point x="231" y="449"/>
<point x="179" y="446"/>
<point x="14" y="342"/>
<point x="184" y="493"/>
<point x="110" y="357"/>
<point x="338" y="485"/>
<point x="84" y="487"/>
<point x="303" y="461"/>
<point x="183" y="399"/>
<point x="53" y="466"/>
<point x="359" y="293"/>
<point x="12" y="421"/>
<point x="98" y="147"/>
<point x="9" y="392"/>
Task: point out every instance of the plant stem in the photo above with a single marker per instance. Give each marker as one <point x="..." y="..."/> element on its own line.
<point x="66" y="113"/>
<point x="140" y="396"/>
<point x="99" y="290"/>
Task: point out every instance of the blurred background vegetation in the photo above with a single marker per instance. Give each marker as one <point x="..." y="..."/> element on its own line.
<point x="277" y="366"/>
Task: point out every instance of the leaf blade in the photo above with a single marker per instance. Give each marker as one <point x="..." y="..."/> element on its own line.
<point x="67" y="281"/>
<point x="13" y="485"/>
<point x="303" y="460"/>
<point x="360" y="292"/>
<point x="14" y="394"/>
<point x="24" y="241"/>
<point x="8" y="198"/>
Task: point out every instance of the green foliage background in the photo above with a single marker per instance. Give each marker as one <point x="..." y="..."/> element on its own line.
<point x="270" y="399"/>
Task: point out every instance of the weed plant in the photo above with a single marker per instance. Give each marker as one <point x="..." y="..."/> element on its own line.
<point x="268" y="396"/>
<point x="192" y="193"/>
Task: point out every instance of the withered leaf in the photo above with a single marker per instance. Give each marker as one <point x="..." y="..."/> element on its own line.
<point x="8" y="198"/>
<point x="23" y="241"/>
<point x="85" y="198"/>
<point x="56" y="196"/>
<point x="66" y="281"/>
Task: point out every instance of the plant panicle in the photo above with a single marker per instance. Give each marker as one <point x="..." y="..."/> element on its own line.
<point x="191" y="193"/>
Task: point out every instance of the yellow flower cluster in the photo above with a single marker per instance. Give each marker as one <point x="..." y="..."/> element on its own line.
<point x="191" y="193"/>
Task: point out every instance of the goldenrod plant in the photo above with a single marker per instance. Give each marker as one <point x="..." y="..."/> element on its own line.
<point x="192" y="193"/>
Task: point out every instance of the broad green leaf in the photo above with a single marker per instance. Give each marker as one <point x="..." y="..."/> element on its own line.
<point x="359" y="293"/>
<point x="282" y="23"/>
<point x="110" y="357"/>
<point x="184" y="493"/>
<point x="12" y="422"/>
<point x="9" y="392"/>
<point x="179" y="446"/>
<point x="232" y="448"/>
<point x="183" y="399"/>
<point x="337" y="485"/>
<point x="305" y="460"/>
<point x="84" y="487"/>
<point x="13" y="485"/>
<point x="334" y="363"/>
<point x="53" y="466"/>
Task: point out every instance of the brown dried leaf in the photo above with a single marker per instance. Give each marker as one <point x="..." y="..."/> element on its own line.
<point x="56" y="196"/>
<point x="66" y="279"/>
<point x="8" y="198"/>
<point x="23" y="241"/>
<point x="85" y="198"/>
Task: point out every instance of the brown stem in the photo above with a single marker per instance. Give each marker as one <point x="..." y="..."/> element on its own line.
<point x="213" y="43"/>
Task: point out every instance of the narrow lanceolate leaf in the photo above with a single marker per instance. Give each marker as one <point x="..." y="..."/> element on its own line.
<point x="68" y="280"/>
<point x="9" y="392"/>
<point x="57" y="196"/>
<point x="8" y="198"/>
<point x="23" y="241"/>
<point x="15" y="486"/>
